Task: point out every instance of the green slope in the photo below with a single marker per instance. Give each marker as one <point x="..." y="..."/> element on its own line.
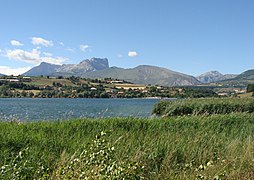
<point x="247" y="75"/>
<point x="242" y="79"/>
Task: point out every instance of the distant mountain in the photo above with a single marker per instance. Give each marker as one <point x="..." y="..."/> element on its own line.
<point x="2" y="74"/>
<point x="47" y="69"/>
<point x="88" y="65"/>
<point x="210" y="77"/>
<point x="145" y="74"/>
<point x="44" y="69"/>
<point x="99" y="68"/>
<point x="230" y="76"/>
<point x="214" y="76"/>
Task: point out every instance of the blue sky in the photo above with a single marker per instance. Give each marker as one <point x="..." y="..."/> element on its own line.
<point x="188" y="36"/>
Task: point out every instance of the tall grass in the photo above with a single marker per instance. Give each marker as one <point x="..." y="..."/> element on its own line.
<point x="204" y="106"/>
<point x="217" y="146"/>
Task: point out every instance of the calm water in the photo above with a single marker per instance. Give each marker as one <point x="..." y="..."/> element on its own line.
<point x="53" y="109"/>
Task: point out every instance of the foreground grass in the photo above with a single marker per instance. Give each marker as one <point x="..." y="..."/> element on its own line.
<point x="218" y="146"/>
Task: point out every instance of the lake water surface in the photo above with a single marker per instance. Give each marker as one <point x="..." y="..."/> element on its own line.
<point x="54" y="109"/>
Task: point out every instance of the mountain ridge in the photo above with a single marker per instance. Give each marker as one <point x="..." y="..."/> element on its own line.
<point x="99" y="68"/>
<point x="87" y="65"/>
<point x="243" y="79"/>
<point x="145" y="74"/>
<point x="43" y="69"/>
<point x="213" y="77"/>
<point x="246" y="75"/>
<point x="142" y="74"/>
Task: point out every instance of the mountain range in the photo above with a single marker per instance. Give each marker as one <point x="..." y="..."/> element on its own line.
<point x="214" y="76"/>
<point x="99" y="68"/>
<point x="143" y="74"/>
<point x="2" y="74"/>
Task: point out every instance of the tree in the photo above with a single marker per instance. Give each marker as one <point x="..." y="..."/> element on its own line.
<point x="23" y="93"/>
<point x="31" y="94"/>
<point x="250" y="88"/>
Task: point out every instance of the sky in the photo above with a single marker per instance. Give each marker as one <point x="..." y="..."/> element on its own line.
<point x="188" y="36"/>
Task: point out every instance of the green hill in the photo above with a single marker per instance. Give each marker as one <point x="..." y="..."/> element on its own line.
<point x="247" y="75"/>
<point x="243" y="79"/>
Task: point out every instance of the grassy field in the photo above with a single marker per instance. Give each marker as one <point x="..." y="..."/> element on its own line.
<point x="194" y="147"/>
<point x="42" y="81"/>
<point x="246" y="95"/>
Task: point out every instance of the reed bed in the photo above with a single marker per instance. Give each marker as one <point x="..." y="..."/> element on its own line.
<point x="204" y="106"/>
<point x="195" y="147"/>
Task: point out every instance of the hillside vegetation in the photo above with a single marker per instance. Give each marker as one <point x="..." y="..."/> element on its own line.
<point x="76" y="87"/>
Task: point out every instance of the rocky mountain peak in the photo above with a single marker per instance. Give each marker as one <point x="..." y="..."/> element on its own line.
<point x="95" y="63"/>
<point x="84" y="66"/>
<point x="210" y="77"/>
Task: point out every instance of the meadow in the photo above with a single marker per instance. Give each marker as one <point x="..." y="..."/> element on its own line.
<point x="180" y="147"/>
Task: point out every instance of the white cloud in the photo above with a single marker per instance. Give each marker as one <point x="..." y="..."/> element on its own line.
<point x="70" y="49"/>
<point x="13" y="71"/>
<point x="16" y="43"/>
<point x="83" y="47"/>
<point x="132" y="54"/>
<point x="61" y="43"/>
<point x="41" y="41"/>
<point x="18" y="54"/>
<point x="48" y="54"/>
<point x="33" y="57"/>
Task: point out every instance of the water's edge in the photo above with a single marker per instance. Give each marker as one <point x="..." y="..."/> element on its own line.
<point x="29" y="109"/>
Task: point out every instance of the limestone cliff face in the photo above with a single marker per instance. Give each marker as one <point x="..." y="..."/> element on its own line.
<point x="88" y="65"/>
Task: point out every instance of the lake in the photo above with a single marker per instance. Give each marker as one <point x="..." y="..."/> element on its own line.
<point x="27" y="109"/>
